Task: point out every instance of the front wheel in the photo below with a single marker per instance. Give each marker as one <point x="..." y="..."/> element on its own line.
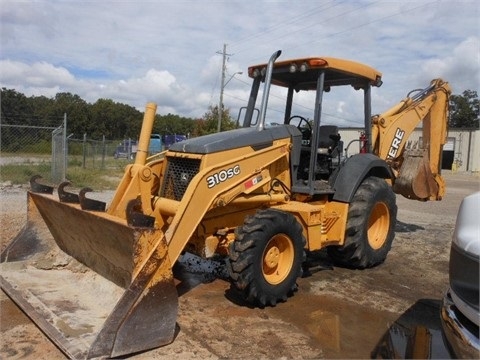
<point x="370" y="226"/>
<point x="266" y="257"/>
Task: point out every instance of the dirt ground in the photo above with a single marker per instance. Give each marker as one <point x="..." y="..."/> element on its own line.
<point x="337" y="312"/>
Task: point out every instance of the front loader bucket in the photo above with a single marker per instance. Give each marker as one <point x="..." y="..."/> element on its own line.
<point x="96" y="286"/>
<point x="416" y="180"/>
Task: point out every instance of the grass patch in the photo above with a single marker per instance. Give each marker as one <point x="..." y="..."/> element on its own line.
<point x="97" y="179"/>
<point x="21" y="173"/>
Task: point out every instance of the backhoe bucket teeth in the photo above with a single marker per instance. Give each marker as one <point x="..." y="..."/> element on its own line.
<point x="416" y="180"/>
<point x="96" y="286"/>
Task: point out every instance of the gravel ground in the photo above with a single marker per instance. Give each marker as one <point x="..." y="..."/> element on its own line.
<point x="337" y="313"/>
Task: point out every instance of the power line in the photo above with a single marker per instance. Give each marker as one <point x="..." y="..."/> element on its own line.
<point x="365" y="24"/>
<point x="347" y="30"/>
<point x="283" y="23"/>
<point x="329" y="19"/>
<point x="309" y="14"/>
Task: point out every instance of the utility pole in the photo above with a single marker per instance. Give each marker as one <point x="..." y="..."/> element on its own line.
<point x="222" y="85"/>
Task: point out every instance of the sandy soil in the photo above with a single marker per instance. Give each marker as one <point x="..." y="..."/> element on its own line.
<point x="337" y="313"/>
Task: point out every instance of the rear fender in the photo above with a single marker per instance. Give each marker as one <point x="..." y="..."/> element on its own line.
<point x="349" y="177"/>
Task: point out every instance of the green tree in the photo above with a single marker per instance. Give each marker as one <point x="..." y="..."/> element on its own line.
<point x="42" y="110"/>
<point x="464" y="110"/>
<point x="209" y="125"/>
<point x="173" y="124"/>
<point x="114" y="120"/>
<point x="76" y="109"/>
<point x="15" y="108"/>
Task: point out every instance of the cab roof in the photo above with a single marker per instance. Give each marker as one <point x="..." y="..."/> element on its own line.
<point x="303" y="73"/>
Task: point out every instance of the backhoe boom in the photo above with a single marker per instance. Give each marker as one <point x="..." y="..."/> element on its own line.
<point x="416" y="167"/>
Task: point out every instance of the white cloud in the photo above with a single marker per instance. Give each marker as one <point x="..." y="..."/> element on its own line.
<point x="39" y="78"/>
<point x="461" y="69"/>
<point x="135" y="52"/>
<point x="39" y="74"/>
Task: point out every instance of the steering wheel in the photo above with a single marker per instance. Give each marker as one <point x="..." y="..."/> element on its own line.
<point x="304" y="126"/>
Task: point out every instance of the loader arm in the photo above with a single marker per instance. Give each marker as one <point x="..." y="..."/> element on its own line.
<point x="139" y="179"/>
<point x="416" y="167"/>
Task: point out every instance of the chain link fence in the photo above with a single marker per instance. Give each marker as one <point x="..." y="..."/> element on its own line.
<point x="47" y="151"/>
<point x="100" y="154"/>
<point x="29" y="150"/>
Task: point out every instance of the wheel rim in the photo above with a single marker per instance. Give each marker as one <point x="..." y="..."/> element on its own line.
<point x="278" y="259"/>
<point x="378" y="225"/>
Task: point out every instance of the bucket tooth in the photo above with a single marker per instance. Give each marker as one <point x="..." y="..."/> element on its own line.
<point x="90" y="204"/>
<point x="39" y="188"/>
<point x="135" y="217"/>
<point x="67" y="197"/>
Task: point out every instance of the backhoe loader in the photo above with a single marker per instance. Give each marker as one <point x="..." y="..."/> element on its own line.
<point x="98" y="280"/>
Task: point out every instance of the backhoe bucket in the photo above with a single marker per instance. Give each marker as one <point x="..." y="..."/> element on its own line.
<point x="96" y="286"/>
<point x="416" y="180"/>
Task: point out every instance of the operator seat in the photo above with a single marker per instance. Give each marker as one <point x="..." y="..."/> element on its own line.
<point x="328" y="139"/>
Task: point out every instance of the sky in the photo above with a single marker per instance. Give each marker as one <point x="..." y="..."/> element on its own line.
<point x="170" y="52"/>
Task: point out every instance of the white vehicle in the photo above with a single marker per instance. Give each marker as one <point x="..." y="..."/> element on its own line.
<point x="460" y="310"/>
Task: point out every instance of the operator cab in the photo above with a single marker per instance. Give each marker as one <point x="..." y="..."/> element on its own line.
<point x="301" y="84"/>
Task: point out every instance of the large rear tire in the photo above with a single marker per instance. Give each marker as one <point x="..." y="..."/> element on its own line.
<point x="266" y="257"/>
<point x="370" y="226"/>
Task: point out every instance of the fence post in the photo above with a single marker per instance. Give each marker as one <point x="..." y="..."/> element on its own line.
<point x="65" y="148"/>
<point x="84" y="149"/>
<point x="59" y="158"/>
<point x="53" y="168"/>
<point x="103" y="152"/>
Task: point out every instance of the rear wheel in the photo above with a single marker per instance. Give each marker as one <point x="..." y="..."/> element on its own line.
<point x="266" y="257"/>
<point x="370" y="226"/>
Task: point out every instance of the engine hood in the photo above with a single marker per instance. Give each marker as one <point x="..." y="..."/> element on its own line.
<point x="237" y="138"/>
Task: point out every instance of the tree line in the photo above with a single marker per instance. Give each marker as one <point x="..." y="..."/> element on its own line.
<point x="104" y="117"/>
<point x="115" y="120"/>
